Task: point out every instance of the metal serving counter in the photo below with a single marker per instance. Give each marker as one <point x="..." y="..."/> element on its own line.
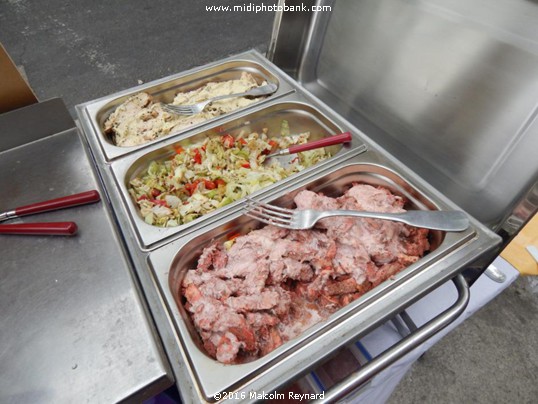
<point x="73" y="323"/>
<point x="78" y="319"/>
<point x="201" y="378"/>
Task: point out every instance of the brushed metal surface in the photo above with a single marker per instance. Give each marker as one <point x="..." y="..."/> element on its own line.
<point x="73" y="323"/>
<point x="25" y="125"/>
<point x="154" y="262"/>
<point x="449" y="87"/>
<point x="450" y="253"/>
<point x="294" y="108"/>
<point x="94" y="113"/>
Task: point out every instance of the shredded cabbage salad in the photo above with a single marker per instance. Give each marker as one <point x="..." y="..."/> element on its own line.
<point x="212" y="173"/>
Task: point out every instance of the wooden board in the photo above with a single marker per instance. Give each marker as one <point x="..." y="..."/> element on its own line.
<point x="517" y="255"/>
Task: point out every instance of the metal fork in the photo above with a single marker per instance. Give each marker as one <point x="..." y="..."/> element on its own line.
<point x="200" y="106"/>
<point x="306" y="219"/>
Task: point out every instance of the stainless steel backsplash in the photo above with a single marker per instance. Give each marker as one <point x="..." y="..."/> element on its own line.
<point x="448" y="87"/>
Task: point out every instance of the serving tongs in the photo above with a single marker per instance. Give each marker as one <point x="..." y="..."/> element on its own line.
<point x="48" y="228"/>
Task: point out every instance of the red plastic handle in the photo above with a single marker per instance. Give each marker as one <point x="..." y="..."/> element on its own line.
<point x="326" y="141"/>
<point x="59" y="203"/>
<point x="51" y="229"/>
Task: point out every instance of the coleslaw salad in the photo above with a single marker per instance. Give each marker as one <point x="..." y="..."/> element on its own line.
<point x="204" y="176"/>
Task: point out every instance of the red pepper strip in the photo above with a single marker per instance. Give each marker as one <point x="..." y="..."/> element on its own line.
<point x="228" y="141"/>
<point x="191" y="188"/>
<point x="197" y="156"/>
<point x="233" y="236"/>
<point x="245" y="165"/>
<point x="273" y="145"/>
<point x="209" y="184"/>
<point x="159" y="202"/>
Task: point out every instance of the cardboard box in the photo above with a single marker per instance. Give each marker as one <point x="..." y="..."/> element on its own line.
<point x="14" y="91"/>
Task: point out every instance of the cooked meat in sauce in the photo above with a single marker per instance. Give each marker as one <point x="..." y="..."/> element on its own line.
<point x="272" y="283"/>
<point x="140" y="119"/>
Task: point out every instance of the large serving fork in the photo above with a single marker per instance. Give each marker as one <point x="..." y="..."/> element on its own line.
<point x="200" y="106"/>
<point x="306" y="219"/>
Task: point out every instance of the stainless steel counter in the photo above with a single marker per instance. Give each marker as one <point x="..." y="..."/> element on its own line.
<point x="74" y="326"/>
<point x="200" y="378"/>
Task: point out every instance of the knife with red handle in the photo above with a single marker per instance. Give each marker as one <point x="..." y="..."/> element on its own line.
<point x="51" y="229"/>
<point x="316" y="144"/>
<point x="82" y="198"/>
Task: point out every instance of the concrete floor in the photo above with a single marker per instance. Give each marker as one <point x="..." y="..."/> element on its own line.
<point x="491" y="358"/>
<point x="80" y="50"/>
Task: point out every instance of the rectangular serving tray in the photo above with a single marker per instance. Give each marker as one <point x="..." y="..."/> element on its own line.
<point x="448" y="253"/>
<point x="93" y="114"/>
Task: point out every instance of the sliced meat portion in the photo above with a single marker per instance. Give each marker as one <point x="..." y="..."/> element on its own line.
<point x="127" y="111"/>
<point x="376" y="275"/>
<point x="250" y="250"/>
<point x="212" y="256"/>
<point x="269" y="340"/>
<point x="260" y="319"/>
<point x="416" y="241"/>
<point x="351" y="260"/>
<point x="341" y="287"/>
<point x="373" y="199"/>
<point x="264" y="301"/>
<point x="218" y="288"/>
<point x="310" y="200"/>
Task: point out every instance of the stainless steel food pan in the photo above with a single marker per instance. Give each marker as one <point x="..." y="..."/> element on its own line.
<point x="300" y="116"/>
<point x="93" y="114"/>
<point x="449" y="253"/>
